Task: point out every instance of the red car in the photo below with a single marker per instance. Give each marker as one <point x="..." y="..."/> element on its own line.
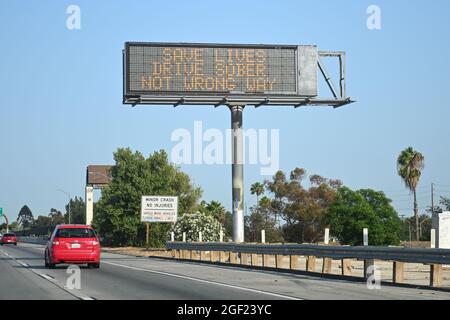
<point x="73" y="244"/>
<point x="9" y="238"/>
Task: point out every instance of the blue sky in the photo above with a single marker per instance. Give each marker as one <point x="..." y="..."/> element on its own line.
<point x="61" y="93"/>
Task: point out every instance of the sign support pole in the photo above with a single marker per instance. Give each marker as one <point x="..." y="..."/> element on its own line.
<point x="148" y="235"/>
<point x="7" y="222"/>
<point x="237" y="170"/>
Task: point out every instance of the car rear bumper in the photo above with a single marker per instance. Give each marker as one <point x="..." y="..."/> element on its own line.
<point x="76" y="257"/>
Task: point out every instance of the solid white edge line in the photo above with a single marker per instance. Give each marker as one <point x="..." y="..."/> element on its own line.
<point x="43" y="275"/>
<point x="204" y="281"/>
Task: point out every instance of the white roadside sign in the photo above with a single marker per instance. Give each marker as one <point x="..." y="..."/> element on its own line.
<point x="159" y="209"/>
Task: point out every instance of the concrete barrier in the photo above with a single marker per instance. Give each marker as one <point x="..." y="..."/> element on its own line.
<point x="35" y="240"/>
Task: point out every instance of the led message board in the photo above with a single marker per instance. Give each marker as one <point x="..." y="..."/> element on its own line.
<point x="177" y="70"/>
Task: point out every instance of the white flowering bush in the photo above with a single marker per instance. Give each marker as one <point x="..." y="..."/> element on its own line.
<point x="192" y="224"/>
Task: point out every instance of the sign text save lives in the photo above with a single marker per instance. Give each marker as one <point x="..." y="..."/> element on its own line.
<point x="159" y="209"/>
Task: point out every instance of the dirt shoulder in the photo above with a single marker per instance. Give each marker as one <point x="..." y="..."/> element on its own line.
<point x="140" y="252"/>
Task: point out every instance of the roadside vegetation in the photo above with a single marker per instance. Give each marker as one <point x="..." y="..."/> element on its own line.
<point x="291" y="207"/>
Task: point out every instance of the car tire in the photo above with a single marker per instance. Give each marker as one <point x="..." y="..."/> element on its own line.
<point x="48" y="264"/>
<point x="94" y="265"/>
<point x="15" y="244"/>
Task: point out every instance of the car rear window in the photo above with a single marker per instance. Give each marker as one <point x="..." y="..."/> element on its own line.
<point x="75" y="233"/>
<point x="9" y="235"/>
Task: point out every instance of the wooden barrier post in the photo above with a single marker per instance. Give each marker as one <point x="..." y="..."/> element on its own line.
<point x="233" y="257"/>
<point x="266" y="260"/>
<point x="433" y="238"/>
<point x="244" y="259"/>
<point x="326" y="262"/>
<point x="279" y="261"/>
<point x="293" y="262"/>
<point x="435" y="275"/>
<point x="263" y="256"/>
<point x="326" y="237"/>
<point x="369" y="268"/>
<point x="326" y="266"/>
<point x="202" y="255"/>
<point x="398" y="272"/>
<point x="366" y="237"/>
<point x="223" y="256"/>
<point x="254" y="259"/>
<point x="213" y="256"/>
<point x="346" y="265"/>
<point x="368" y="263"/>
<point x="311" y="264"/>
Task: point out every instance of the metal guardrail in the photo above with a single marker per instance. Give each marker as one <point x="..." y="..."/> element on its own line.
<point x="409" y="255"/>
<point x="36" y="240"/>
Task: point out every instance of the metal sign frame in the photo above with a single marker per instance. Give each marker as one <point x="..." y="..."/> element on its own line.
<point x="306" y="95"/>
<point x="302" y="96"/>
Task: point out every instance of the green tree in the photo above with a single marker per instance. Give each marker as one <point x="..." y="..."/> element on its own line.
<point x="43" y="222"/>
<point x="56" y="217"/>
<point x="408" y="228"/>
<point x="13" y="226"/>
<point x="410" y="164"/>
<point x="217" y="210"/>
<point x="258" y="189"/>
<point x="445" y="202"/>
<point x="257" y="221"/>
<point x="77" y="211"/>
<point x="117" y="216"/>
<point x="25" y="217"/>
<point x="302" y="209"/>
<point x="352" y="211"/>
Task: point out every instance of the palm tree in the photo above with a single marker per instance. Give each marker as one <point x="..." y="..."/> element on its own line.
<point x="410" y="164"/>
<point x="258" y="189"/>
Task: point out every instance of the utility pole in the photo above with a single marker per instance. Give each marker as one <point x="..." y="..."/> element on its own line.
<point x="432" y="199"/>
<point x="237" y="169"/>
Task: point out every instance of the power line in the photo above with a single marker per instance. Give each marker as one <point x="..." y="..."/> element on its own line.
<point x="442" y="185"/>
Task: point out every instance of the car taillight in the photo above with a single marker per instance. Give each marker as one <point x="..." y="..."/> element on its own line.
<point x="94" y="242"/>
<point x="56" y="243"/>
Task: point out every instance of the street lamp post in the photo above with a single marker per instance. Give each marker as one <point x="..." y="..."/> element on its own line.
<point x="70" y="198"/>
<point x="420" y="225"/>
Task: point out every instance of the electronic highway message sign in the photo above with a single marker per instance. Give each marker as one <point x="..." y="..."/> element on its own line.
<point x="173" y="72"/>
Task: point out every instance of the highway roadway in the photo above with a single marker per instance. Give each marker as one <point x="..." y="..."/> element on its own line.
<point x="23" y="276"/>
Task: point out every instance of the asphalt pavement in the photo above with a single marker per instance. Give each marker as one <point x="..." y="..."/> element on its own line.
<point x="23" y="276"/>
